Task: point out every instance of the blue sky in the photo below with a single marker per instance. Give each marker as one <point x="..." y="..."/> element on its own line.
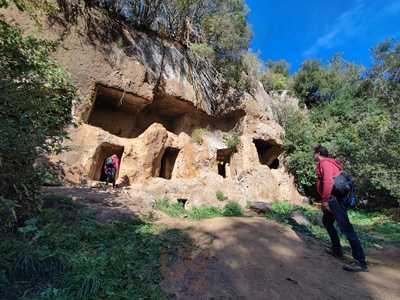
<point x="317" y="29"/>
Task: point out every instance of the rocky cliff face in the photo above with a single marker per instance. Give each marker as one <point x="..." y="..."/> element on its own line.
<point x="169" y="118"/>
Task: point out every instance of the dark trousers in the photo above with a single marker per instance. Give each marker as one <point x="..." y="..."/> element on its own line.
<point x="339" y="214"/>
<point x="110" y="176"/>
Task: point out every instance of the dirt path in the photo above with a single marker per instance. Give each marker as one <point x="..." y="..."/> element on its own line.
<point x="252" y="258"/>
<point x="249" y="258"/>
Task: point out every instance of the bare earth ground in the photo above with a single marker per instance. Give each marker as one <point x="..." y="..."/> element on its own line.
<point x="253" y="258"/>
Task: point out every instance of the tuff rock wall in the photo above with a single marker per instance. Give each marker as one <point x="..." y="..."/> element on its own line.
<point x="143" y="96"/>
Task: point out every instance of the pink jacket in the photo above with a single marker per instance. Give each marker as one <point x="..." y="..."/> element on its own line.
<point x="116" y="162"/>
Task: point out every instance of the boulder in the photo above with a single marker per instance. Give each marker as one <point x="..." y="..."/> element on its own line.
<point x="261" y="207"/>
<point x="300" y="219"/>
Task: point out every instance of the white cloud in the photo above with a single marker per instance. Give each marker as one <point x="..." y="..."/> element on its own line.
<point x="352" y="23"/>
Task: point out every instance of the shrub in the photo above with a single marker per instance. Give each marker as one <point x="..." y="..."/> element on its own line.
<point x="233" y="209"/>
<point x="35" y="105"/>
<point x="204" y="212"/>
<point x="275" y="82"/>
<point x="202" y="50"/>
<point x="198" y="135"/>
<point x="174" y="210"/>
<point x="221" y="196"/>
<point x="232" y="141"/>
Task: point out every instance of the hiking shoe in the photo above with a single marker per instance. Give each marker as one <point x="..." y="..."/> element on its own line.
<point x="356" y="267"/>
<point x="334" y="253"/>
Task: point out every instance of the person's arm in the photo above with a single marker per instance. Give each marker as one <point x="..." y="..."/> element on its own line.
<point x="327" y="181"/>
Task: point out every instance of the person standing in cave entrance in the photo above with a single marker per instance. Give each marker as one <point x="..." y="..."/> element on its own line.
<point x="334" y="209"/>
<point x="111" y="169"/>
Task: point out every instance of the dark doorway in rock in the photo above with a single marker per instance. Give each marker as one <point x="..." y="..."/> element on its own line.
<point x="274" y="164"/>
<point x="223" y="160"/>
<point x="102" y="152"/>
<point x="268" y="152"/>
<point x="116" y="111"/>
<point x="168" y="162"/>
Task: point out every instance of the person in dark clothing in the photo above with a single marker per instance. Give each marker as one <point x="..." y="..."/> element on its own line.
<point x="111" y="168"/>
<point x="334" y="210"/>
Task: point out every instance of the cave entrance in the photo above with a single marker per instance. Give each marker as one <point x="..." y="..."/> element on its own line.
<point x="102" y="152"/>
<point x="268" y="152"/>
<point x="224" y="160"/>
<point x="274" y="164"/>
<point x="116" y="111"/>
<point x="127" y="115"/>
<point x="168" y="162"/>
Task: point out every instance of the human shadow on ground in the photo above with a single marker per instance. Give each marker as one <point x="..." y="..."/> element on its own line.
<point x="252" y="258"/>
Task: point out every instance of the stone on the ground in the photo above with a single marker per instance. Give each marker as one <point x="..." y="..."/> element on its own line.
<point x="261" y="207"/>
<point x="300" y="219"/>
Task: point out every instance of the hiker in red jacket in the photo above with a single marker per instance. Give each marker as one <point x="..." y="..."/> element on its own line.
<point x="334" y="210"/>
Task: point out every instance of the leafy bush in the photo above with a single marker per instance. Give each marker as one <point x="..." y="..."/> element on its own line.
<point x="35" y="105"/>
<point x="233" y="209"/>
<point x="275" y="82"/>
<point x="232" y="141"/>
<point x="198" y="135"/>
<point x="174" y="210"/>
<point x="203" y="50"/>
<point x="221" y="196"/>
<point x="276" y="77"/>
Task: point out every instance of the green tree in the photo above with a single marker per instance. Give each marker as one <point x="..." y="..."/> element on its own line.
<point x="279" y="67"/>
<point x="35" y="104"/>
<point x="276" y="77"/>
<point x="359" y="123"/>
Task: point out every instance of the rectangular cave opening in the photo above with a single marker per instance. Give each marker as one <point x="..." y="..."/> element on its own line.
<point x="268" y="152"/>
<point x="224" y="160"/>
<point x="168" y="162"/>
<point x="115" y="111"/>
<point x="102" y="152"/>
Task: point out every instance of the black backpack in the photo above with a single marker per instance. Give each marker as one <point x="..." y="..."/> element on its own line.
<point x="344" y="189"/>
<point x="109" y="162"/>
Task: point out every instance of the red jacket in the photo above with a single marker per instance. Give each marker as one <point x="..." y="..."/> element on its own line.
<point x="327" y="170"/>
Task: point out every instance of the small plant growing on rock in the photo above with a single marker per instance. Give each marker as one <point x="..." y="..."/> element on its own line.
<point x="120" y="43"/>
<point x="198" y="135"/>
<point x="221" y="196"/>
<point x="202" y="50"/>
<point x="232" y="141"/>
<point x="233" y="209"/>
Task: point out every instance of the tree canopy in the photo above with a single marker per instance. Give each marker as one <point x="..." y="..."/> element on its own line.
<point x="355" y="113"/>
<point x="36" y="99"/>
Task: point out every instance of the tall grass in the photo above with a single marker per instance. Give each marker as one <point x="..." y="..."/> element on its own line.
<point x="66" y="254"/>
<point x="175" y="210"/>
